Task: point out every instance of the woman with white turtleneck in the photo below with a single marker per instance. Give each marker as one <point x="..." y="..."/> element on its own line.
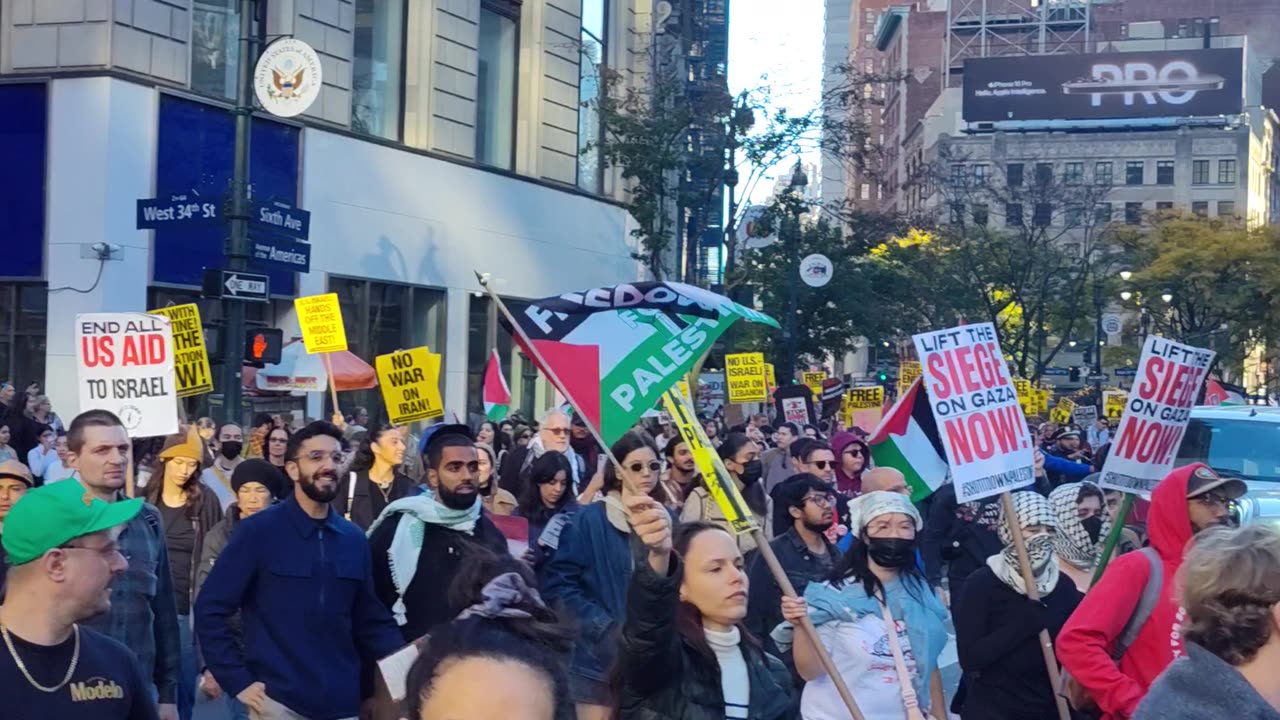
<point x="685" y="606"/>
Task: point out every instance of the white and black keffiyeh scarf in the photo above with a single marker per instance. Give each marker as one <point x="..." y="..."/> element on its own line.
<point x="1072" y="541"/>
<point x="1032" y="509"/>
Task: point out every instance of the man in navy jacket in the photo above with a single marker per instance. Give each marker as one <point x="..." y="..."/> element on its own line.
<point x="300" y="577"/>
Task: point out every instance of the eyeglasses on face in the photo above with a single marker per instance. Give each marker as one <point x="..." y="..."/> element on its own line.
<point x="557" y="430"/>
<point x="823" y="464"/>
<point x="638" y="467"/>
<point x="1213" y="499"/>
<point x="822" y="501"/>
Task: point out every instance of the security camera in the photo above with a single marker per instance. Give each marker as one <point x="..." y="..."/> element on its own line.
<point x="105" y="250"/>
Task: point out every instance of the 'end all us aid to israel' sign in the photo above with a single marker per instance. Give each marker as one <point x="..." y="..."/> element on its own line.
<point x="124" y="364"/>
<point x="410" y="382"/>
<point x="1156" y="414"/>
<point x="320" y="318"/>
<point x="974" y="402"/>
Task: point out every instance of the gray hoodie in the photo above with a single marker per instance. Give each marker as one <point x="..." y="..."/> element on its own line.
<point x="1202" y="686"/>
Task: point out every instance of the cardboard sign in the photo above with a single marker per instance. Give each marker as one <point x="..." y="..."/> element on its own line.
<point x="410" y="382"/>
<point x="1026" y="397"/>
<point x="1043" y="395"/>
<point x="976" y="407"/>
<point x="1113" y="402"/>
<point x="794" y="403"/>
<point x="124" y="364"/>
<point x="1156" y="415"/>
<point x="769" y="378"/>
<point x="320" y="318"/>
<point x="714" y="474"/>
<point x="744" y="373"/>
<point x="1086" y="415"/>
<point x="190" y="357"/>
<point x="863" y="407"/>
<point x="1062" y="411"/>
<point x="813" y="381"/>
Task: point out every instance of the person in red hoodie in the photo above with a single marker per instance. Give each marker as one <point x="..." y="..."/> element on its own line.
<point x="1189" y="499"/>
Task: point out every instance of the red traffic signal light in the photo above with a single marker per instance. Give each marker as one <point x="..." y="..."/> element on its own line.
<point x="262" y="346"/>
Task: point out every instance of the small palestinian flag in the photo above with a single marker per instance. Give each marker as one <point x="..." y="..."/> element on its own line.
<point x="497" y="395"/>
<point x="907" y="440"/>
<point x="1220" y="393"/>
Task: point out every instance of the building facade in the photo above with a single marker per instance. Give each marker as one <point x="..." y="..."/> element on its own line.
<point x="450" y="136"/>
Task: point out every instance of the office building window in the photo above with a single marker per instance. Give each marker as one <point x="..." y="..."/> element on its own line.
<point x="1199" y="172"/>
<point x="1164" y="207"/>
<point x="1102" y="213"/>
<point x="24" y="309"/>
<point x="1013" y="174"/>
<point x="958" y="175"/>
<point x="215" y="47"/>
<point x="377" y="77"/>
<point x="591" y="61"/>
<point x="1073" y="173"/>
<point x="1200" y="208"/>
<point x="1102" y="173"/>
<point x="1226" y="208"/>
<point x="1043" y="215"/>
<point x="980" y="215"/>
<point x="1226" y="172"/>
<point x="1133" y="171"/>
<point x="1073" y="216"/>
<point x="1044" y="173"/>
<point x="980" y="175"/>
<point x="957" y="213"/>
<point x="496" y="85"/>
<point x="1133" y="212"/>
<point x="1013" y="214"/>
<point x="1164" y="172"/>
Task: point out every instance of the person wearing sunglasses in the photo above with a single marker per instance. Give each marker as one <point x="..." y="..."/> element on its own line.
<point x="592" y="565"/>
<point x="741" y="457"/>
<point x="554" y="433"/>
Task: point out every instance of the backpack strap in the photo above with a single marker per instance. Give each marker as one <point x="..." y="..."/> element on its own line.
<point x="1146" y="604"/>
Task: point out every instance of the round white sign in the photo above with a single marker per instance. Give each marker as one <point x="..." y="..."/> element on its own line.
<point x="815" y="270"/>
<point x="1112" y="324"/>
<point x="287" y="77"/>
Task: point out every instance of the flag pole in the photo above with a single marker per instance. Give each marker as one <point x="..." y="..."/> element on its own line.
<point x="546" y="368"/>
<point x="1113" y="537"/>
<point x="1033" y="594"/>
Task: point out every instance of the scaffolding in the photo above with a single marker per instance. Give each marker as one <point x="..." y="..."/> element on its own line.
<point x="997" y="28"/>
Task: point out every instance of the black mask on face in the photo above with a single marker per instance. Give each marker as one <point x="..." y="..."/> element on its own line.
<point x="751" y="472"/>
<point x="1093" y="526"/>
<point x="892" y="553"/>
<point x="230" y="449"/>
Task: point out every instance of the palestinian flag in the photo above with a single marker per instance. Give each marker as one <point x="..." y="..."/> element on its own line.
<point x="614" y="351"/>
<point x="497" y="395"/>
<point x="1220" y="393"/>
<point x="907" y="440"/>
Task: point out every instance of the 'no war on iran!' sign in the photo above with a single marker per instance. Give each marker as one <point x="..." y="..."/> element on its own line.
<point x="124" y="363"/>
<point x="410" y="381"/>
<point x="1156" y="414"/>
<point x="976" y="407"/>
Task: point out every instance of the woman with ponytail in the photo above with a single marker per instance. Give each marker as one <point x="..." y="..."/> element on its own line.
<point x="374" y="480"/>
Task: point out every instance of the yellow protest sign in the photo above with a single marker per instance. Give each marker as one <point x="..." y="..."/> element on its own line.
<point x="714" y="474"/>
<point x="683" y="387"/>
<point x="190" y="357"/>
<point x="1062" y="411"/>
<point x="320" y="317"/>
<point x="1042" y="401"/>
<point x="909" y="370"/>
<point x="1025" y="398"/>
<point x="863" y="407"/>
<point x="814" y="381"/>
<point x="1113" y="402"/>
<point x="410" y="382"/>
<point x="769" y="378"/>
<point x="744" y="374"/>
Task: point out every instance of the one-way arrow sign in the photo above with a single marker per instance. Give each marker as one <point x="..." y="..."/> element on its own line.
<point x="237" y="285"/>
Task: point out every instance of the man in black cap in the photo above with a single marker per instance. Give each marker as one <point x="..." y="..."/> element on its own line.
<point x="420" y="543"/>
<point x="1066" y="448"/>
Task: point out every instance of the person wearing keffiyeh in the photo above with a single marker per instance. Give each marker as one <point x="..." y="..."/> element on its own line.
<point x="998" y="626"/>
<point x="1083" y="521"/>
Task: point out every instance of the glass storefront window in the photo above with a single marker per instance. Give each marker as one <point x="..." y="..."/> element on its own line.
<point x="215" y="47"/>
<point x="591" y="60"/>
<point x="496" y="89"/>
<point x="377" y="70"/>
<point x="23" y="309"/>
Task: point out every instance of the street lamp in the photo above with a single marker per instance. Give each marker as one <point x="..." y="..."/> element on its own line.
<point x="1126" y="295"/>
<point x="1125" y="275"/>
<point x="799" y="181"/>
<point x="1167" y="297"/>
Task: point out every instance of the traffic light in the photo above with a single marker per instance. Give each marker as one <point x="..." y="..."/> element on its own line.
<point x="262" y="346"/>
<point x="882" y="376"/>
<point x="1075" y="374"/>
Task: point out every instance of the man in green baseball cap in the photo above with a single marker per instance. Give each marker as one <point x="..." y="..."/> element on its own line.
<point x="63" y="552"/>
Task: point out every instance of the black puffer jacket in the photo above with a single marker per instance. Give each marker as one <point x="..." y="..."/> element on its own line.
<point x="666" y="678"/>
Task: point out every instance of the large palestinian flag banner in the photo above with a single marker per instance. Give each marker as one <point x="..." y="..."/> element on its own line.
<point x="615" y="350"/>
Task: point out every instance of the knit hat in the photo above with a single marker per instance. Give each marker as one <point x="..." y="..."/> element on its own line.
<point x="259" y="471"/>
<point x="178" y="446"/>
<point x="17" y="471"/>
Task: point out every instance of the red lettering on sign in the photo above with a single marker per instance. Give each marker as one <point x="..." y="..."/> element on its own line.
<point x="97" y="351"/>
<point x="144" y="350"/>
<point x="1148" y="441"/>
<point x="941" y="389"/>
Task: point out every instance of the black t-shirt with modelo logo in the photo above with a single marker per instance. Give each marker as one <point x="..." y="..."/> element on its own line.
<point x="106" y="685"/>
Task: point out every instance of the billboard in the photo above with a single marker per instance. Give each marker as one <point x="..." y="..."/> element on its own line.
<point x="1159" y="83"/>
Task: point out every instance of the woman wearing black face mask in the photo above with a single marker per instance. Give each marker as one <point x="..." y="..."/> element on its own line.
<point x="998" y="626"/>
<point x="741" y="458"/>
<point x="1081" y="512"/>
<point x="879" y="574"/>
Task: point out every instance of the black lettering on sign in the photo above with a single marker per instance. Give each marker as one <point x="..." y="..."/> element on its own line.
<point x="126" y="388"/>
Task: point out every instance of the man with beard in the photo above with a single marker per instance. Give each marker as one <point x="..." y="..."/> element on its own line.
<point x="1188" y="500"/>
<point x="805" y="505"/>
<point x="420" y="543"/>
<point x="217" y="477"/>
<point x="300" y="578"/>
<point x="682" y="470"/>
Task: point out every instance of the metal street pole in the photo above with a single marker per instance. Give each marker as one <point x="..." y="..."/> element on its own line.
<point x="793" y="299"/>
<point x="238" y="242"/>
<point x="1097" y="342"/>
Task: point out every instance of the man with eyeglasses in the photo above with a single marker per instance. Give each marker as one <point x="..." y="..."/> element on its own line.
<point x="412" y="579"/>
<point x="300" y="578"/>
<point x="64" y="551"/>
<point x="805" y="506"/>
<point x="553" y="434"/>
<point x="1189" y="500"/>
<point x="143" y="613"/>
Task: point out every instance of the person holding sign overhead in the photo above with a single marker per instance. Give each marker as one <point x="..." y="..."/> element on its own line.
<point x="374" y="480"/>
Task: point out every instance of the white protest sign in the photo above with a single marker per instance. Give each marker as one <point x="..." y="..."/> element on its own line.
<point x="1156" y="414"/>
<point x="124" y="364"/>
<point x="976" y="407"/>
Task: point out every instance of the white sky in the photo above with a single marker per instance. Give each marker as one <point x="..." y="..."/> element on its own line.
<point x="781" y="40"/>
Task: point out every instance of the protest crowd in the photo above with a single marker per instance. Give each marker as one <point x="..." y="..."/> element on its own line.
<point x="347" y="567"/>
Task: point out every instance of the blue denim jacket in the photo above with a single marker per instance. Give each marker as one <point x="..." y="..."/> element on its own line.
<point x="588" y="577"/>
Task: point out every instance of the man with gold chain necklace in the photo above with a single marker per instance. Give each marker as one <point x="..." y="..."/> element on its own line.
<point x="64" y="551"/>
